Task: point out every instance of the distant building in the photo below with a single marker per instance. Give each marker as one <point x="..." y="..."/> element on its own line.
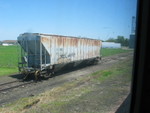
<point x="111" y="45"/>
<point x="6" y="44"/>
<point x="9" y="42"/>
<point x="132" y="41"/>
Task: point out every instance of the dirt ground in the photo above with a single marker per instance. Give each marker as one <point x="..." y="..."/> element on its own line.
<point x="98" y="100"/>
<point x="105" y="97"/>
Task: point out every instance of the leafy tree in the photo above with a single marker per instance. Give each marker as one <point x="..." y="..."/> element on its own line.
<point x="126" y="42"/>
<point x="111" y="40"/>
<point x="120" y="39"/>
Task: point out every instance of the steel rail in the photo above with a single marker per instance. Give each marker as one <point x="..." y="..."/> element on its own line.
<point x="16" y="86"/>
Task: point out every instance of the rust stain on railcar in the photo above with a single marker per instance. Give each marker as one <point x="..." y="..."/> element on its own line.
<point x="73" y="42"/>
<point x="59" y="41"/>
<point x="95" y="43"/>
<point x="76" y="42"/>
<point x="44" y="39"/>
<point x="88" y="42"/>
<point x="47" y="41"/>
<point x="67" y="41"/>
<point x="65" y="44"/>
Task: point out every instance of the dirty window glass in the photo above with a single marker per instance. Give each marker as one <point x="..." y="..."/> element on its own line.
<point x="66" y="56"/>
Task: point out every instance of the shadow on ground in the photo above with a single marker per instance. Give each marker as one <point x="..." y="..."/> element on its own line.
<point x="64" y="70"/>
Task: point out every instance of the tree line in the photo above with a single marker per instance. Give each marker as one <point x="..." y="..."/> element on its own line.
<point x="120" y="39"/>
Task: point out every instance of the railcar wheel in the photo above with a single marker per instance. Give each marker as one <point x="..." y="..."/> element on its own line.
<point x="36" y="75"/>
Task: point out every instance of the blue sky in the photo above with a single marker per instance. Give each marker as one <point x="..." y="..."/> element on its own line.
<point x="98" y="19"/>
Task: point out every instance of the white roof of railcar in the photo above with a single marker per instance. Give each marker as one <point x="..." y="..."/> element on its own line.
<point x="57" y="35"/>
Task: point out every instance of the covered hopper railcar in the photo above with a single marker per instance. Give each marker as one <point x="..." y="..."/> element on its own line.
<point x="43" y="54"/>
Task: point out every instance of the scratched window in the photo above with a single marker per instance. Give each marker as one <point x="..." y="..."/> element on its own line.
<point x="66" y="55"/>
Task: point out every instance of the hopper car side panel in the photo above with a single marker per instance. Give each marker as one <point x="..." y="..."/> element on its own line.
<point x="64" y="49"/>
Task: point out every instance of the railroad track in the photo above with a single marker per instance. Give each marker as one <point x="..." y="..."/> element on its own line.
<point x="13" y="84"/>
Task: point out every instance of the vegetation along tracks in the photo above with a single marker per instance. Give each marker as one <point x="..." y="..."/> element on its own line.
<point x="18" y="83"/>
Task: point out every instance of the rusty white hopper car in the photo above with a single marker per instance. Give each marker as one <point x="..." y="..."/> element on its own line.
<point x="43" y="54"/>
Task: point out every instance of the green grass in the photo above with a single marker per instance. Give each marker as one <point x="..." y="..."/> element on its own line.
<point x="8" y="60"/>
<point x="122" y="68"/>
<point x="110" y="51"/>
<point x="57" y="99"/>
<point x="8" y="56"/>
<point x="7" y="71"/>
